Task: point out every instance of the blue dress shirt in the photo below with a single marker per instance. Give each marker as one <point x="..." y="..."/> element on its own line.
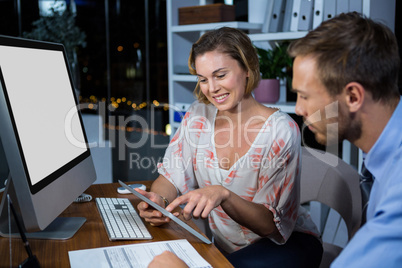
<point x="378" y="243"/>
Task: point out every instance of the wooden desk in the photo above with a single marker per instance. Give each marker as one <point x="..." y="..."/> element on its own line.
<point x="54" y="253"/>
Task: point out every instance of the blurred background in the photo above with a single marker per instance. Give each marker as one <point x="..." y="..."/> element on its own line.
<point x="118" y="59"/>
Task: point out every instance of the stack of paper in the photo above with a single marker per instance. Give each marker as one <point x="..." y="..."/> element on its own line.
<point x="135" y="255"/>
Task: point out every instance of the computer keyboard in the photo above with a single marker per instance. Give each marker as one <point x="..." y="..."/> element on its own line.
<point x="121" y="220"/>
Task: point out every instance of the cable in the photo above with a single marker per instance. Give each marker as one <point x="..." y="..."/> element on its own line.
<point x="83" y="198"/>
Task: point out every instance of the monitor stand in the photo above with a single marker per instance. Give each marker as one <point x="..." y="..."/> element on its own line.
<point x="61" y="228"/>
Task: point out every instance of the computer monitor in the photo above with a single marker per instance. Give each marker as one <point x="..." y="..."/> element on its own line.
<point x="44" y="140"/>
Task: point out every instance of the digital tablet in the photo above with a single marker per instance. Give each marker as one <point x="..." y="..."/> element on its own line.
<point x="167" y="213"/>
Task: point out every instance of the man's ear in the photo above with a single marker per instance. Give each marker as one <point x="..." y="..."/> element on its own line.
<point x="354" y="96"/>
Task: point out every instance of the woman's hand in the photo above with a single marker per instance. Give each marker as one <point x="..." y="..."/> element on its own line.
<point x="167" y="259"/>
<point x="200" y="202"/>
<point x="151" y="215"/>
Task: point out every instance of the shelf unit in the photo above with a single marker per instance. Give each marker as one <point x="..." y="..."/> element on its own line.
<point x="181" y="37"/>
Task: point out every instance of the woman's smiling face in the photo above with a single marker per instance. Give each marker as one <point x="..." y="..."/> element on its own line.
<point x="221" y="79"/>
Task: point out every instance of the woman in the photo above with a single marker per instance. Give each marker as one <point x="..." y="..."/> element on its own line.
<point x="236" y="162"/>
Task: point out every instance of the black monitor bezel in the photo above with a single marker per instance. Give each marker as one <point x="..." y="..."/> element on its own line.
<point x="27" y="43"/>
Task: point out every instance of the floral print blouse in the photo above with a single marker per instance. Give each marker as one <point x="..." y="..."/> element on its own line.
<point x="268" y="174"/>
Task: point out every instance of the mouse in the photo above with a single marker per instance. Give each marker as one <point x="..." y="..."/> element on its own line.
<point x="122" y="190"/>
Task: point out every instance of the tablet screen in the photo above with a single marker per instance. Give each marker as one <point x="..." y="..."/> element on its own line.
<point x="167" y="213"/>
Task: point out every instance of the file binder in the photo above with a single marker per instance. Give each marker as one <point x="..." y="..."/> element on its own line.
<point x="268" y="15"/>
<point x="278" y="12"/>
<point x="329" y="9"/>
<point x="294" y="22"/>
<point x="306" y="15"/>
<point x="356" y="5"/>
<point x="342" y="6"/>
<point x="318" y="13"/>
<point x="287" y="16"/>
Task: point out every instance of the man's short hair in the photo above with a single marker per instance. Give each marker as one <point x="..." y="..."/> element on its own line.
<point x="353" y="48"/>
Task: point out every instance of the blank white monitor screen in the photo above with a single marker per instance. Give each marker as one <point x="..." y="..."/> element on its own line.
<point x="37" y="113"/>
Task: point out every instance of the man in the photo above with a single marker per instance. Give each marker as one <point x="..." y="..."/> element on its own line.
<point x="345" y="73"/>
